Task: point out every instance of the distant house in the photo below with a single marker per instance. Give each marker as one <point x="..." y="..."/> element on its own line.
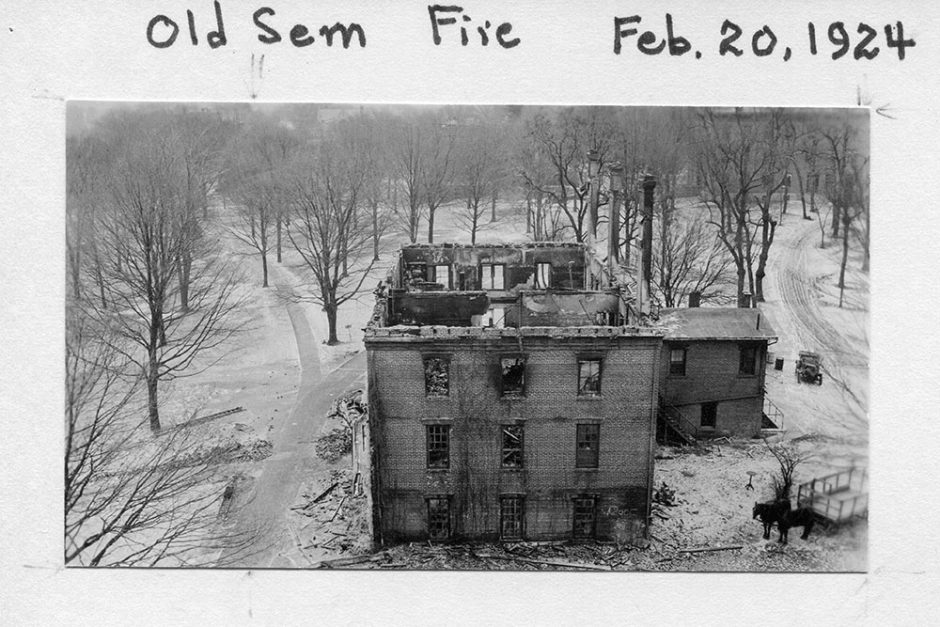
<point x="712" y="378"/>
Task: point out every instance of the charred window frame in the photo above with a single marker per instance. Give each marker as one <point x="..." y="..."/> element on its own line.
<point x="438" y="446"/>
<point x="587" y="450"/>
<point x="511" y="517"/>
<point x="513" y="442"/>
<point x="438" y="517"/>
<point x="437" y="375"/>
<point x="747" y="363"/>
<point x="589" y="376"/>
<point x="543" y="275"/>
<point x="584" y="517"/>
<point x="512" y="376"/>
<point x="708" y="418"/>
<point x="492" y="276"/>
<point x="440" y="274"/>
<point x="678" y="358"/>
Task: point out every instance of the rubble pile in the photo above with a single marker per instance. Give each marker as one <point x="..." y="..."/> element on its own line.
<point x="329" y="519"/>
<point x="334" y="445"/>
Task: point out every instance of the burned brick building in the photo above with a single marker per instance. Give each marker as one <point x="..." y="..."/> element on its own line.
<point x="509" y="398"/>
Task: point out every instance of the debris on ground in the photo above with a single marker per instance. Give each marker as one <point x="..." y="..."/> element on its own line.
<point x="334" y="445"/>
<point x="665" y="495"/>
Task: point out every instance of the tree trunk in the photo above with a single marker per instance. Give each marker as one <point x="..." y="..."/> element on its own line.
<point x="152" y="409"/>
<point x="431" y="225"/>
<point x="866" y="260"/>
<point x="474" y="220"/>
<point x="277" y="224"/>
<point x="768" y="229"/>
<point x="493" y="209"/>
<point x="836" y="218"/>
<point x="528" y="213"/>
<point x="799" y="182"/>
<point x="845" y="253"/>
<point x="264" y="268"/>
<point x="330" y="310"/>
<point x="375" y="231"/>
<point x="741" y="274"/>
<point x="153" y="371"/>
<point x="185" y="263"/>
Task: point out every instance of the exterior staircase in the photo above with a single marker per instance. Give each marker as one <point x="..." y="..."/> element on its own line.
<point x="771" y="416"/>
<point x="672" y="426"/>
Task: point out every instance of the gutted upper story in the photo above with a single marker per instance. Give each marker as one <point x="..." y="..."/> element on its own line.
<point x="524" y="285"/>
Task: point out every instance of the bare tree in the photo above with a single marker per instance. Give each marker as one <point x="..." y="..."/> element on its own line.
<point x="690" y="259"/>
<point x="256" y="165"/>
<point x="848" y="190"/>
<point x="406" y="157"/>
<point x="86" y="162"/>
<point x="132" y="501"/>
<point x="778" y="147"/>
<point x="479" y="169"/>
<point x="437" y="168"/>
<point x="329" y="229"/>
<point x="736" y="164"/>
<point x="789" y="458"/>
<point x="563" y="143"/>
<point x="143" y="240"/>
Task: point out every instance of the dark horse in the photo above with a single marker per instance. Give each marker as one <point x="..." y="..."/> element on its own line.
<point x="780" y="512"/>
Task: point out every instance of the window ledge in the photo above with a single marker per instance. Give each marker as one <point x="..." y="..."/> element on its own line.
<point x="590" y="397"/>
<point x="511" y="469"/>
<point x="587" y="469"/>
<point x="437" y="470"/>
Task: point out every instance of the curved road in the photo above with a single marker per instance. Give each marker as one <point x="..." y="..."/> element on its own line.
<point x="294" y="458"/>
<point x="793" y="278"/>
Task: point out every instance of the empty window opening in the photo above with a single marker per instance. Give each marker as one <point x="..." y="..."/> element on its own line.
<point x="438" y="439"/>
<point x="677" y="358"/>
<point x="441" y="275"/>
<point x="709" y="415"/>
<point x="511" y="515"/>
<point x="589" y="377"/>
<point x="439" y="518"/>
<point x="588" y="445"/>
<point x="495" y="317"/>
<point x="583" y="517"/>
<point x="543" y="275"/>
<point x="437" y="376"/>
<point x="512" y="446"/>
<point x="513" y="371"/>
<point x="748" y="362"/>
<point x="491" y="276"/>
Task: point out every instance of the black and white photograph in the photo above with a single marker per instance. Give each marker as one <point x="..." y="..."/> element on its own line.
<point x="473" y="337"/>
<point x="480" y="313"/>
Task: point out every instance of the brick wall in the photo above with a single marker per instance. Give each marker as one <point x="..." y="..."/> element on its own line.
<point x="711" y="375"/>
<point x="549" y="411"/>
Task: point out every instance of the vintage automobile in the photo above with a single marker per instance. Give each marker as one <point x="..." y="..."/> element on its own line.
<point x="809" y="368"/>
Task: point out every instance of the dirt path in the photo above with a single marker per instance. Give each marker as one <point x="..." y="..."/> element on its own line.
<point x="293" y="438"/>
